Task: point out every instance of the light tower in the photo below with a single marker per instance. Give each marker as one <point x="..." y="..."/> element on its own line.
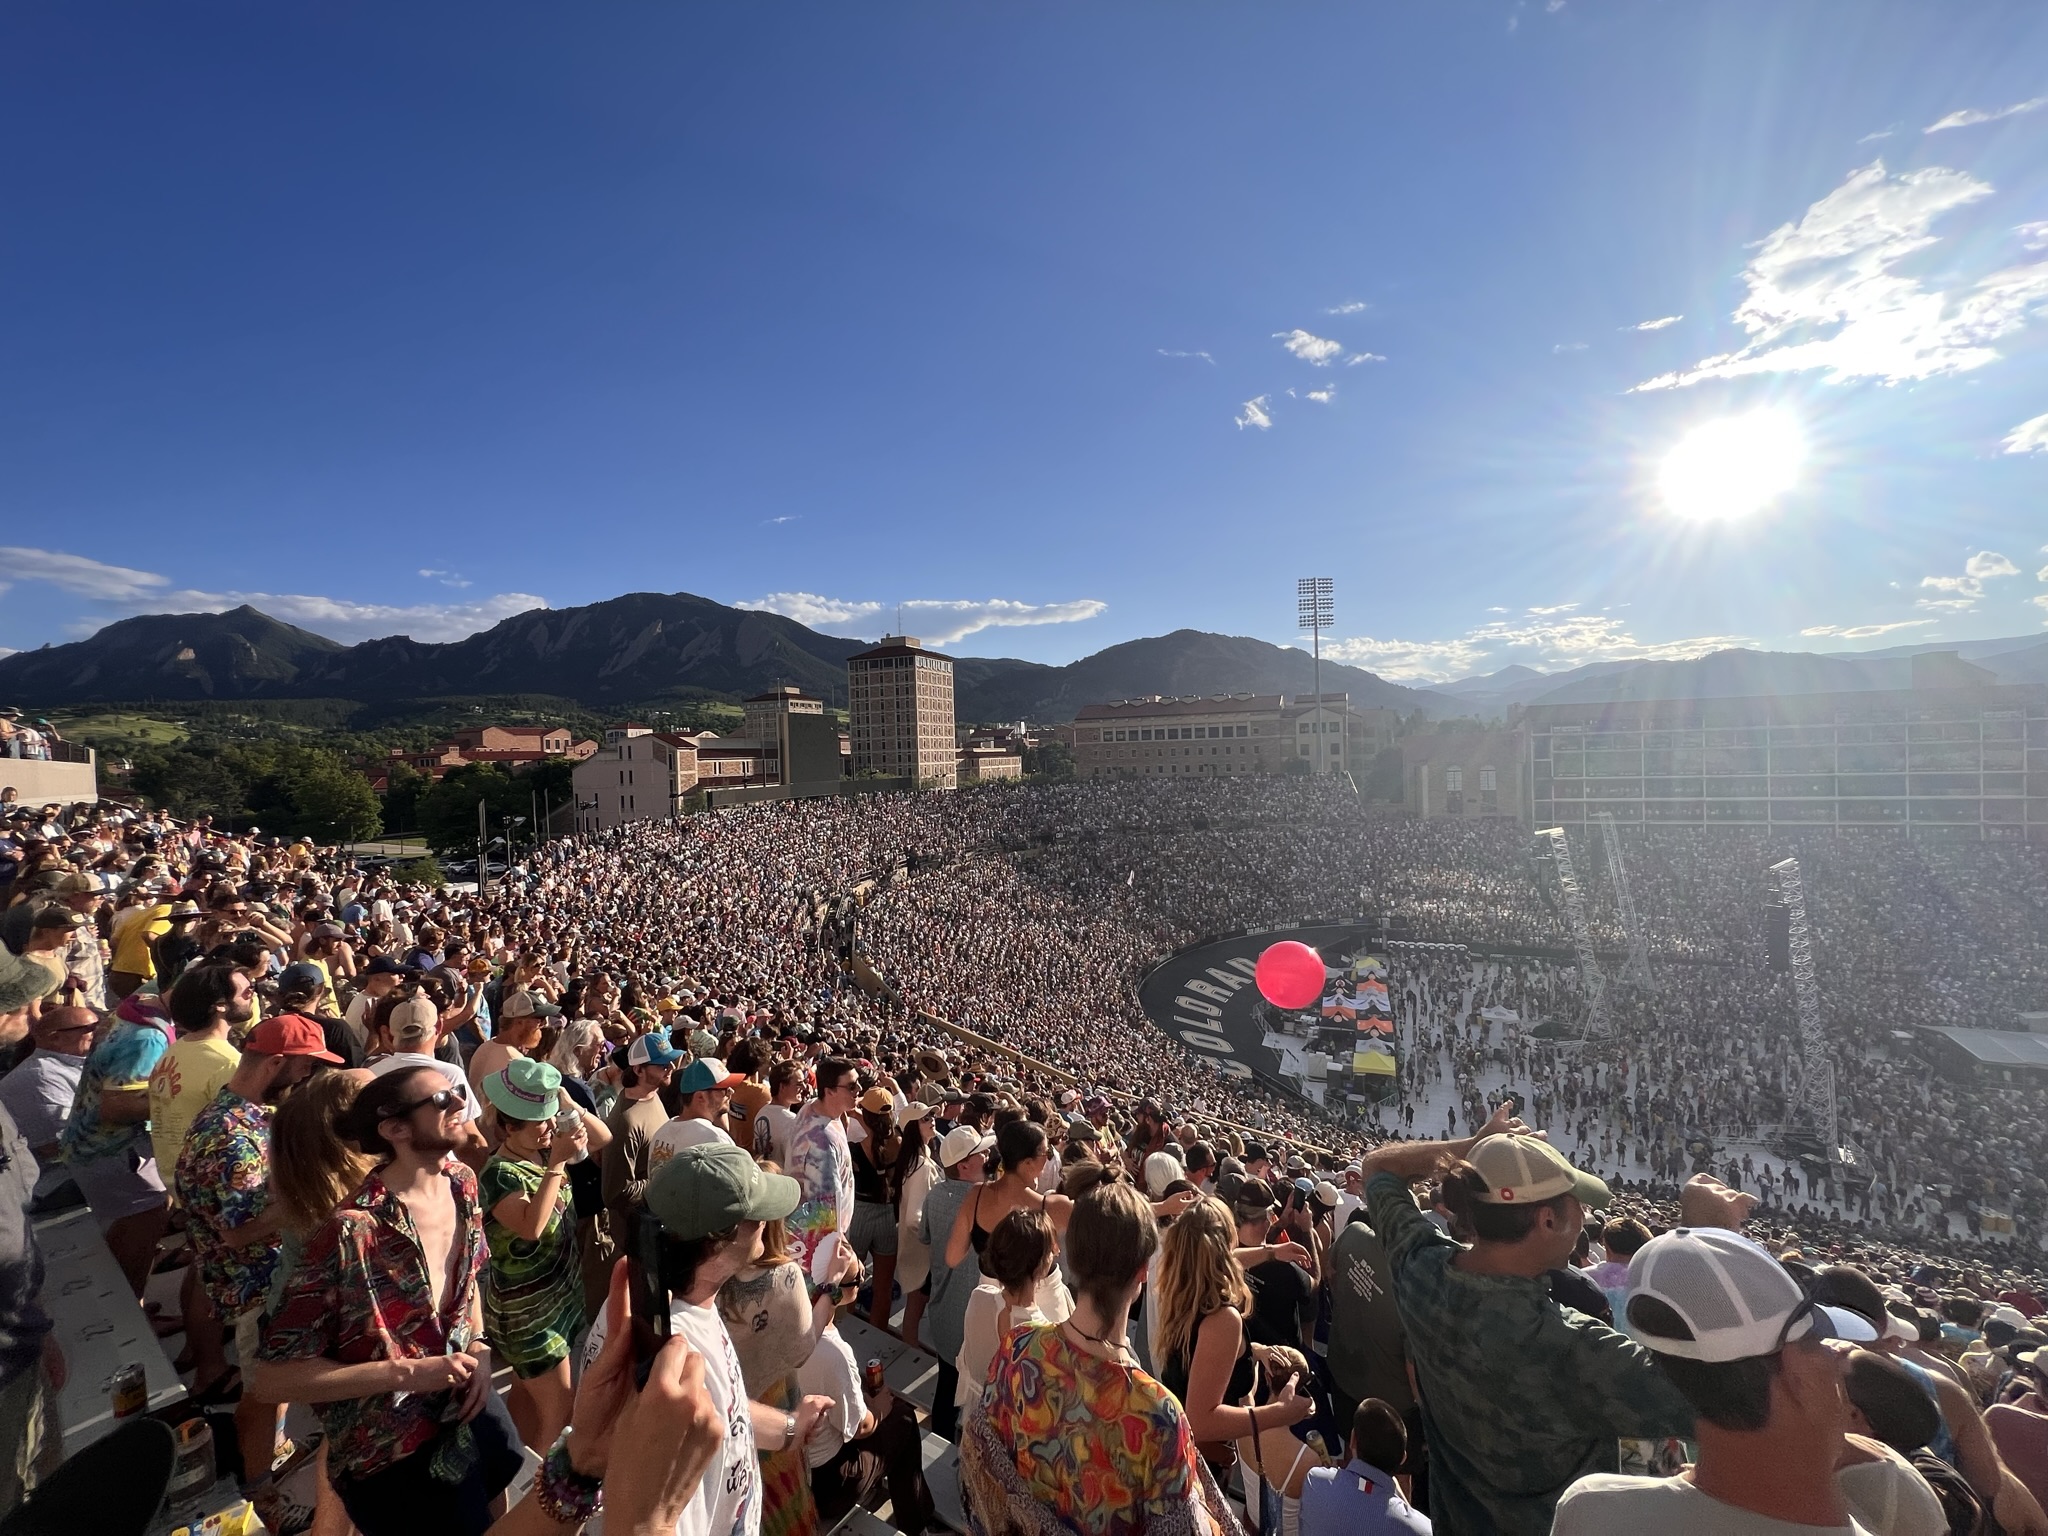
<point x="1315" y="609"/>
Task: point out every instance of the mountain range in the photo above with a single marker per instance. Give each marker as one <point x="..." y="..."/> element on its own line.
<point x="645" y="649"/>
<point x="637" y="650"/>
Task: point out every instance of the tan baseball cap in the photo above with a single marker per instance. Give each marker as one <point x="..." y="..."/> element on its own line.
<point x="1524" y="1170"/>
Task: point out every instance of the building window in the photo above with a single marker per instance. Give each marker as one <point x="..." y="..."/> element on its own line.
<point x="1454" y="780"/>
<point x="1486" y="781"/>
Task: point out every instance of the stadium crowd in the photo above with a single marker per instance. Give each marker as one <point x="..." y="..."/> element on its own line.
<point x="883" y="1055"/>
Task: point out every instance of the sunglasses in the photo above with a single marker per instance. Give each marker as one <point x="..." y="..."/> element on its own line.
<point x="1806" y="1308"/>
<point x="451" y="1097"/>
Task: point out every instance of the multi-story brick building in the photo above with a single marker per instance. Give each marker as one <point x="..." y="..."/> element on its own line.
<point x="900" y="712"/>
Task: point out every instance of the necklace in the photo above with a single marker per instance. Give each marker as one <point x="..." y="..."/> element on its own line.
<point x="1117" y="1348"/>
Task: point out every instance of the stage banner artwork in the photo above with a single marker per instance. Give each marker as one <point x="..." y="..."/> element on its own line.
<point x="1341" y="1047"/>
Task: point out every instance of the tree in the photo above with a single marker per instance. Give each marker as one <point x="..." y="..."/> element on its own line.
<point x="188" y="783"/>
<point x="404" y="785"/>
<point x="447" y="812"/>
<point x="1050" y="759"/>
<point x="331" y="800"/>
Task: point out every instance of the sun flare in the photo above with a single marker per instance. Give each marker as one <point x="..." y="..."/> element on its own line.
<point x="1733" y="467"/>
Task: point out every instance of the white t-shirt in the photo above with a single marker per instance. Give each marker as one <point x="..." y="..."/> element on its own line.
<point x="772" y="1124"/>
<point x="831" y="1371"/>
<point x="979" y="1339"/>
<point x="728" y="1501"/>
<point x="678" y="1134"/>
<point x="447" y="1069"/>
<point x="1885" y="1498"/>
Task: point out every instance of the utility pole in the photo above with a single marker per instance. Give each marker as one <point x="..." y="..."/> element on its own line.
<point x="1315" y="608"/>
<point x="483" y="868"/>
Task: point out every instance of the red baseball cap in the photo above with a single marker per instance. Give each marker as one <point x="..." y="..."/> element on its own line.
<point x="290" y="1034"/>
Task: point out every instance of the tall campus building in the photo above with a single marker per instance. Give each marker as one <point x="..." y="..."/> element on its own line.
<point x="900" y="709"/>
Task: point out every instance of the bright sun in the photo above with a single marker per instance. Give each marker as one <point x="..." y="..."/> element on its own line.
<point x="1728" y="469"/>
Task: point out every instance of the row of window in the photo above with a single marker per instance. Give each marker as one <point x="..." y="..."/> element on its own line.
<point x="1454" y="779"/>
<point x="1826" y="812"/>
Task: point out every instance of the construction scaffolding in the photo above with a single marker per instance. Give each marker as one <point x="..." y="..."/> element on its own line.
<point x="1817" y="1087"/>
<point x="1551" y="844"/>
<point x="1635" y="968"/>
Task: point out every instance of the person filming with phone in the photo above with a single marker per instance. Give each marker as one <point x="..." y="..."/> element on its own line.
<point x="708" y="1205"/>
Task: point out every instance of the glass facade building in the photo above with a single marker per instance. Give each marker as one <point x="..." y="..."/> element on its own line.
<point x="1967" y="762"/>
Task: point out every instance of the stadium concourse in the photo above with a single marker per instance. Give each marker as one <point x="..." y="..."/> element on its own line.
<point x="911" y="972"/>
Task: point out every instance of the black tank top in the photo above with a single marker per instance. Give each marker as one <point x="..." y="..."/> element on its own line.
<point x="1243" y="1373"/>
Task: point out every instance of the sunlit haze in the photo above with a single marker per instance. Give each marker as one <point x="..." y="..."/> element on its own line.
<point x="1732" y="467"/>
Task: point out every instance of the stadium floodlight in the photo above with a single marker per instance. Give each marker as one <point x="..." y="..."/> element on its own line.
<point x="1315" y="610"/>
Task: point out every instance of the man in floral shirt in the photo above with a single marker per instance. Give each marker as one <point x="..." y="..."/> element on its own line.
<point x="381" y="1326"/>
<point x="223" y="1183"/>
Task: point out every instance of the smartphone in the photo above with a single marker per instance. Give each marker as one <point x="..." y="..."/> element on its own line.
<point x="652" y="1269"/>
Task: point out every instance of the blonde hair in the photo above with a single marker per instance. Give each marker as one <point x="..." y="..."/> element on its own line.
<point x="1198" y="1274"/>
<point x="312" y="1169"/>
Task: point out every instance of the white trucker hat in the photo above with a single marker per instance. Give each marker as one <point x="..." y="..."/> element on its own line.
<point x="1738" y="1301"/>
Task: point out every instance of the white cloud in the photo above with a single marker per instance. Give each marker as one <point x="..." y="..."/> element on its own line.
<point x="1552" y="7"/>
<point x="1970" y="117"/>
<point x="131" y="591"/>
<point x="1319" y="350"/>
<point x="1864" y="631"/>
<point x="1348" y="307"/>
<point x="1322" y="396"/>
<point x="446" y="578"/>
<point x="937" y="621"/>
<point x="1569" y="346"/>
<point x="82" y="577"/>
<point x="1655" y="325"/>
<point x="777" y="522"/>
<point x="1986" y="564"/>
<point x="1872" y="138"/>
<point x="7" y="650"/>
<point x="1255" y="414"/>
<point x="2030" y="436"/>
<point x="1826" y="293"/>
<point x="2041" y="602"/>
<point x="1205" y="357"/>
<point x="2033" y="236"/>
<point x="1946" y="604"/>
<point x="1968" y="586"/>
<point x="1543" y="613"/>
<point x="1363" y="357"/>
<point x="1547" y="643"/>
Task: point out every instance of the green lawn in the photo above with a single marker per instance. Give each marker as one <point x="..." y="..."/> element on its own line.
<point x="117" y="730"/>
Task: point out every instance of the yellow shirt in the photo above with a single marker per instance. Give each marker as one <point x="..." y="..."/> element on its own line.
<point x="134" y="931"/>
<point x="191" y="1073"/>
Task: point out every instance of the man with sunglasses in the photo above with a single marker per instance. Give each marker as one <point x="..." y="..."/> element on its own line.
<point x="417" y="1439"/>
<point x="38" y="1092"/>
<point x="1731" y="1330"/>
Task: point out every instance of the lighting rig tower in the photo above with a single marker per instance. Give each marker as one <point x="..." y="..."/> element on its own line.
<point x="1315" y="608"/>
<point x="1635" y="970"/>
<point x="1551" y="843"/>
<point x="1817" y="1090"/>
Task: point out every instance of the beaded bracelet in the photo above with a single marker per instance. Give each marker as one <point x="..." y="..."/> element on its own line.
<point x="566" y="1495"/>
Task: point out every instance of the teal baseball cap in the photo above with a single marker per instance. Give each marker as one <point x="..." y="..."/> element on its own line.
<point x="713" y="1188"/>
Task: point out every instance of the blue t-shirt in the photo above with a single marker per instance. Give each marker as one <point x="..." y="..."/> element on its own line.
<point x="1943" y="1444"/>
<point x="1358" y="1500"/>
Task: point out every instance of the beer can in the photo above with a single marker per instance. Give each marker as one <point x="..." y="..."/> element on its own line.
<point x="871" y="1377"/>
<point x="128" y="1391"/>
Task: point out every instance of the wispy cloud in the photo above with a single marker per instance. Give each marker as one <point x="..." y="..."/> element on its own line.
<point x="938" y="621"/>
<point x="446" y="578"/>
<point x="1964" y="590"/>
<point x="1256" y="414"/>
<point x="1654" y="325"/>
<point x="1544" y="613"/>
<point x="1348" y="307"/>
<point x="82" y="577"/>
<point x="122" y="590"/>
<point x="2033" y="236"/>
<point x="1872" y="138"/>
<point x="777" y="522"/>
<point x="1356" y="358"/>
<point x="2030" y="436"/>
<point x="1864" y="631"/>
<point x="1826" y="293"/>
<point x="1322" y="396"/>
<point x="1310" y="348"/>
<point x="1971" y="117"/>
<point x="1548" y="643"/>
<point x="1205" y="357"/>
<point x="1569" y="346"/>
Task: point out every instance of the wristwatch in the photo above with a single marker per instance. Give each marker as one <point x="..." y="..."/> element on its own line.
<point x="789" y="1429"/>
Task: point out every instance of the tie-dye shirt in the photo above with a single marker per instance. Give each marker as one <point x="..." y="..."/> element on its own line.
<point x="822" y="1165"/>
<point x="1103" y="1446"/>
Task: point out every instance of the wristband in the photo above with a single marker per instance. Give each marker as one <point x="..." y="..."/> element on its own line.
<point x="565" y="1495"/>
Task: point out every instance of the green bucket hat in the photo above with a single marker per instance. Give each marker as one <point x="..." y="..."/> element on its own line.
<point x="23" y="981"/>
<point x="525" y="1089"/>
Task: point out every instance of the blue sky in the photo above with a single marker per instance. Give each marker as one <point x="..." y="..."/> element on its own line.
<point x="1062" y="324"/>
